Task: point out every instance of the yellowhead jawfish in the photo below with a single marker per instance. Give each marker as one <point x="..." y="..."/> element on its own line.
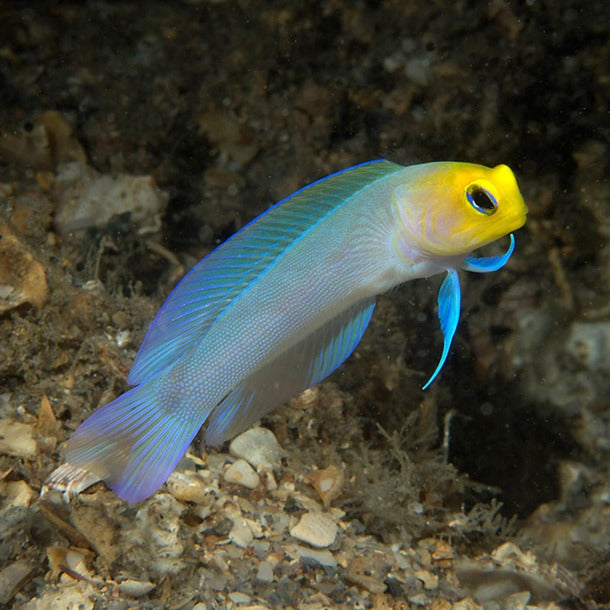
<point x="282" y="303"/>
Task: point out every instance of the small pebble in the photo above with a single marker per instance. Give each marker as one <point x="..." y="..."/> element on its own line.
<point x="136" y="588"/>
<point x="62" y="559"/>
<point x="17" y="493"/>
<point x="419" y="70"/>
<point x="429" y="580"/>
<point x="323" y="558"/>
<point x="47" y="422"/>
<point x="517" y="601"/>
<point x="158" y="532"/>
<point x="259" y="447"/>
<point x="186" y="486"/>
<point x="12" y="577"/>
<point x="420" y="599"/>
<point x="327" y="483"/>
<point x="239" y="598"/>
<point x="264" y="572"/>
<point x="589" y="344"/>
<point x="123" y="338"/>
<point x="17" y="439"/>
<point x="316" y="529"/>
<point x="261" y="548"/>
<point x="88" y="199"/>
<point x="241" y="473"/>
<point x="240" y="534"/>
<point x="267" y="478"/>
<point x="22" y="276"/>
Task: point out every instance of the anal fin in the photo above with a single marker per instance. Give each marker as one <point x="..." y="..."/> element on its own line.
<point x="296" y="369"/>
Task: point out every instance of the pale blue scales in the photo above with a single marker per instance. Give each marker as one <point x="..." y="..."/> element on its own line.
<point x="282" y="304"/>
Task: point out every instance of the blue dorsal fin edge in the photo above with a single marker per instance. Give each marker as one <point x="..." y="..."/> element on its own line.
<point x="487" y="264"/>
<point x="449" y="300"/>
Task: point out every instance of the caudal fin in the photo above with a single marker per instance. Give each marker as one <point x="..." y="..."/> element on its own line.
<point x="133" y="443"/>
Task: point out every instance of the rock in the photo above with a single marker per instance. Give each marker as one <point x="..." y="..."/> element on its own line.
<point x="63" y="559"/>
<point x="136" y="588"/>
<point x="241" y="473"/>
<point x="12" y="577"/>
<point x="158" y="535"/>
<point x="241" y="534"/>
<point x="518" y="601"/>
<point x="572" y="360"/>
<point x="17" y="439"/>
<point x="47" y="428"/>
<point x="122" y="338"/>
<point x="22" y="276"/>
<point x="422" y="599"/>
<point x="88" y="199"/>
<point x="323" y="558"/>
<point x="47" y="422"/>
<point x="243" y="530"/>
<point x="327" y="483"/>
<point x="508" y="570"/>
<point x="48" y="142"/>
<point x="589" y="344"/>
<point x="259" y="447"/>
<point x="316" y="529"/>
<point x="239" y="598"/>
<point x="232" y="139"/>
<point x="59" y="520"/>
<point x="419" y="70"/>
<point x="17" y="493"/>
<point x="367" y="569"/>
<point x="93" y="523"/>
<point x="267" y="478"/>
<point x="429" y="580"/>
<point x="264" y="572"/>
<point x="187" y="486"/>
<point x="80" y="597"/>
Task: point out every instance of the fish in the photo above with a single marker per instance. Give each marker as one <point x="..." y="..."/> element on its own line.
<point x="284" y="302"/>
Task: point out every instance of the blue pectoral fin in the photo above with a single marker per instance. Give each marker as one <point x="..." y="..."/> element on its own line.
<point x="449" y="299"/>
<point x="133" y="443"/>
<point x="487" y="264"/>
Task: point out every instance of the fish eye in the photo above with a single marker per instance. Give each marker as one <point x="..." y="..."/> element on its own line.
<point x="481" y="199"/>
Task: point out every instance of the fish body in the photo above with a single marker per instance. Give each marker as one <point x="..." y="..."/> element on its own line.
<point x="281" y="304"/>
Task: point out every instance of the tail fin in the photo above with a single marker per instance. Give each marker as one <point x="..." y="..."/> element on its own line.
<point x="133" y="443"/>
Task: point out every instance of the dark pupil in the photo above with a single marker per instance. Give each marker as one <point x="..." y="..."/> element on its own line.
<point x="480" y="199"/>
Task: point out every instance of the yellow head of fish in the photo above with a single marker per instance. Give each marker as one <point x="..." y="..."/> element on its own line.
<point x="451" y="209"/>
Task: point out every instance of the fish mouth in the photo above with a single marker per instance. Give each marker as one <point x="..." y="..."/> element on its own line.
<point x="518" y="222"/>
<point x="520" y="219"/>
<point x="514" y="220"/>
<point x="497" y="231"/>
